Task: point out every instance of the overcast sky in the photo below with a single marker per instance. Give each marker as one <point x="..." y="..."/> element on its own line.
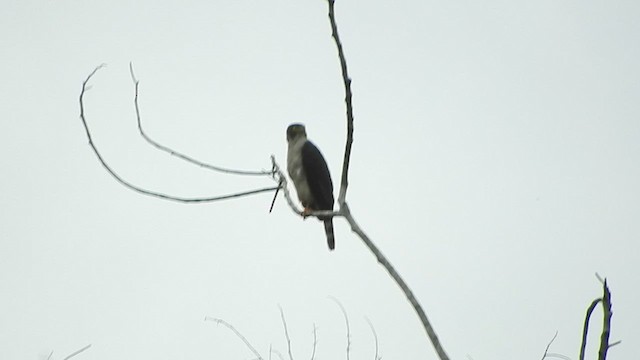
<point x="496" y="163"/>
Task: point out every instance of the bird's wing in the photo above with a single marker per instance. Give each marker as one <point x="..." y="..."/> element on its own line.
<point x="318" y="177"/>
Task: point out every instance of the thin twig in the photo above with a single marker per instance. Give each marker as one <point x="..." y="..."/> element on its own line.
<point x="178" y="154"/>
<point x="606" y="326"/>
<point x="77" y="352"/>
<point x="347" y="99"/>
<point x="346" y="321"/>
<point x="237" y="333"/>
<point x="278" y="353"/>
<point x="275" y="196"/>
<point x="558" y="356"/>
<point x="315" y="342"/>
<point x="549" y="345"/>
<point x="375" y="337"/>
<point x="139" y="189"/>
<point x="585" y="329"/>
<point x="286" y="332"/>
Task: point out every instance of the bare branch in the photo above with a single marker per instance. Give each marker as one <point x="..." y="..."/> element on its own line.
<point x="606" y="326"/>
<point x="50" y="355"/>
<point x="585" y="329"/>
<point x="549" y="345"/>
<point x="347" y="99"/>
<point x="178" y="154"/>
<point x="237" y="333"/>
<point x="139" y="189"/>
<point x="375" y="338"/>
<point x="615" y="343"/>
<point x="344" y="208"/>
<point x="346" y="321"/>
<point x="286" y="332"/>
<point x="398" y="279"/>
<point x="278" y="353"/>
<point x="315" y="342"/>
<point x="77" y="352"/>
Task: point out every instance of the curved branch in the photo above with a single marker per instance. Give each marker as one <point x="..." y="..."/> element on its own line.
<point x="375" y="338"/>
<point x="176" y="153"/>
<point x="237" y="333"/>
<point x="546" y="351"/>
<point x="315" y="342"/>
<point x="585" y="329"/>
<point x="346" y="321"/>
<point x="347" y="99"/>
<point x="139" y="189"/>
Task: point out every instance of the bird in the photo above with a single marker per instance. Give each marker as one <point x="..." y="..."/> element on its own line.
<point x="310" y="175"/>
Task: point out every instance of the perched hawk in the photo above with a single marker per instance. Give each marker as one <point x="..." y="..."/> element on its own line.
<point x="310" y="174"/>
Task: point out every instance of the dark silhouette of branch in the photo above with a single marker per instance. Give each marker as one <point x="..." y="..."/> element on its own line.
<point x="344" y="208"/>
<point x="237" y="333"/>
<point x="286" y="332"/>
<point x="139" y="189"/>
<point x="375" y="338"/>
<point x="347" y="99"/>
<point x="585" y="328"/>
<point x="176" y="153"/>
<point x="606" y="326"/>
<point x="346" y="321"/>
<point x="549" y="345"/>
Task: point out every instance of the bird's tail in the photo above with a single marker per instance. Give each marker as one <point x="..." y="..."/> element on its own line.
<point x="328" y="229"/>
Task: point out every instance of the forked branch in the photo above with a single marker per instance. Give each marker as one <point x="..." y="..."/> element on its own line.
<point x="137" y="188"/>
<point x="605" y="300"/>
<point x="344" y="208"/>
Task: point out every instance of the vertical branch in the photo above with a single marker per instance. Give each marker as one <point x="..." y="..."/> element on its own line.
<point x="606" y="326"/>
<point x="375" y="338"/>
<point x="315" y="342"/>
<point x="346" y="320"/>
<point x="347" y="99"/>
<point x="286" y="332"/>
<point x="344" y="208"/>
<point x="585" y="328"/>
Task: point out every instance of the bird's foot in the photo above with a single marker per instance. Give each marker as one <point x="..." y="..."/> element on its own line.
<point x="306" y="212"/>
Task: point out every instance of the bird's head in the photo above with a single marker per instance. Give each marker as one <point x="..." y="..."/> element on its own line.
<point x="296" y="132"/>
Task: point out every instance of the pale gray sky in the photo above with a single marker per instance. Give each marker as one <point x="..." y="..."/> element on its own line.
<point x="496" y="163"/>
